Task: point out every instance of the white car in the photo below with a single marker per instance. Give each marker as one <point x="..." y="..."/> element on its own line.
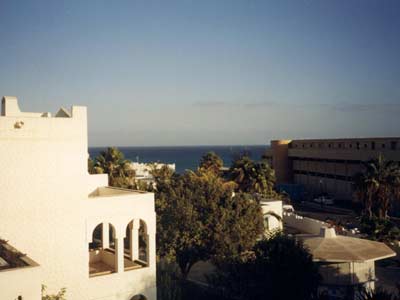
<point x="324" y="200"/>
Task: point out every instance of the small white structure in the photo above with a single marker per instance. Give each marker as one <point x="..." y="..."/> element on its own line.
<point x="96" y="241"/>
<point x="143" y="170"/>
<point x="345" y="263"/>
<point x="272" y="213"/>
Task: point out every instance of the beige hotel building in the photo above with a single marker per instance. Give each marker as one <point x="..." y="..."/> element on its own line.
<point x="327" y="165"/>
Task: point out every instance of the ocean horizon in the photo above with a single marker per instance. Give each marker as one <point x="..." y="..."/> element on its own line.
<point x="184" y="157"/>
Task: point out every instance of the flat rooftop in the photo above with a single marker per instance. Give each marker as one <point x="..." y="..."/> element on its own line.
<point x="109" y="191"/>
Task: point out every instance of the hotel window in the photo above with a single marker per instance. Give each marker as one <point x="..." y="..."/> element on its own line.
<point x="393" y="145"/>
<point x="329" y="145"/>
<point x="339" y="145"/>
<point x="358" y="145"/>
<point x="373" y="145"/>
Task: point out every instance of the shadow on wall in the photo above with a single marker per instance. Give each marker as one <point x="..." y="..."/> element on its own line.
<point x="339" y="283"/>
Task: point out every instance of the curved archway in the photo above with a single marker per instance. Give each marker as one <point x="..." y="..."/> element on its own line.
<point x="136" y="245"/>
<point x="102" y="256"/>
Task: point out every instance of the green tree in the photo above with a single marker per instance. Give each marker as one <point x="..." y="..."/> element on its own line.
<point x="278" y="268"/>
<point x="113" y="162"/>
<point x="212" y="162"/>
<point x="200" y="219"/>
<point x="253" y="177"/>
<point x="59" y="296"/>
<point x="377" y="186"/>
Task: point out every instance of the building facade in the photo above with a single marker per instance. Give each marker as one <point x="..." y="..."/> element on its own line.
<point x="96" y="241"/>
<point x="327" y="165"/>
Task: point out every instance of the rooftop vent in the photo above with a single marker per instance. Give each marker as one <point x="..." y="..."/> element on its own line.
<point x="327" y="233"/>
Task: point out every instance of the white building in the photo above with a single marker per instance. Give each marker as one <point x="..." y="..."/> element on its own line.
<point x="143" y="170"/>
<point x="54" y="211"/>
<point x="346" y="264"/>
<point x="272" y="214"/>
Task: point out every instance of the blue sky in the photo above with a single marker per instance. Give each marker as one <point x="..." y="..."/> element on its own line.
<point x="207" y="72"/>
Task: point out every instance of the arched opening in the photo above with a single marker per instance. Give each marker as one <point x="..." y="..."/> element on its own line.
<point x="102" y="256"/>
<point x="136" y="245"/>
<point x="138" y="297"/>
<point x="143" y="242"/>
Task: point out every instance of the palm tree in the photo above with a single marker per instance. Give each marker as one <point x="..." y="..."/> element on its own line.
<point x="253" y="177"/>
<point x="211" y="161"/>
<point x="112" y="162"/>
<point x="378" y="186"/>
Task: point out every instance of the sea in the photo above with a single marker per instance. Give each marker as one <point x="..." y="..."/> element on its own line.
<point x="184" y="157"/>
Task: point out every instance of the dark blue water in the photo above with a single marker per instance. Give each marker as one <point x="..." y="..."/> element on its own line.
<point x="185" y="157"/>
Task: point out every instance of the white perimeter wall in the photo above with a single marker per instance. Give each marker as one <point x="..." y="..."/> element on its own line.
<point x="303" y="224"/>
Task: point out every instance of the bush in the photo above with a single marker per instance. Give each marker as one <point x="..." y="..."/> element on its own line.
<point x="59" y="296"/>
<point x="278" y="268"/>
<point x="379" y="229"/>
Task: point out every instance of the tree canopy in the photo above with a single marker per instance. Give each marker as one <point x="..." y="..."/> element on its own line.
<point x="278" y="268"/>
<point x="253" y="177"/>
<point x="212" y="162"/>
<point x="200" y="219"/>
<point x="377" y="186"/>
<point x="113" y="162"/>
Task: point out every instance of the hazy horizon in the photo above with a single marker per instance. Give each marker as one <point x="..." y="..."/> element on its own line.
<point x="156" y="73"/>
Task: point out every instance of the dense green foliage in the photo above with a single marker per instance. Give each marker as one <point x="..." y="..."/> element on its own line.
<point x="253" y="177"/>
<point x="168" y="282"/>
<point x="59" y="296"/>
<point x="378" y="294"/>
<point x="113" y="162"/>
<point x="211" y="162"/>
<point x="277" y="268"/>
<point x="377" y="187"/>
<point x="200" y="219"/>
<point x="364" y="294"/>
<point x="382" y="230"/>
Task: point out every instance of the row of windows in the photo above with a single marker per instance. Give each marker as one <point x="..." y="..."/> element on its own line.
<point x="393" y="145"/>
<point x="342" y="161"/>
<point x="317" y="174"/>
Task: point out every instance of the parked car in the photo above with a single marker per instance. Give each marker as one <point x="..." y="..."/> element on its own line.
<point x="324" y="200"/>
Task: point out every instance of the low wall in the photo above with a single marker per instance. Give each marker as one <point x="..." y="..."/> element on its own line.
<point x="24" y="282"/>
<point x="303" y="224"/>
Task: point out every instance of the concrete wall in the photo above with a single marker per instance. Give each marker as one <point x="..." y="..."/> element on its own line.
<point x="303" y="224"/>
<point x="24" y="282"/>
<point x="46" y="211"/>
<point x="280" y="161"/>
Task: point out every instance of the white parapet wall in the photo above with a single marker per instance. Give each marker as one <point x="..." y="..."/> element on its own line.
<point x="303" y="224"/>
